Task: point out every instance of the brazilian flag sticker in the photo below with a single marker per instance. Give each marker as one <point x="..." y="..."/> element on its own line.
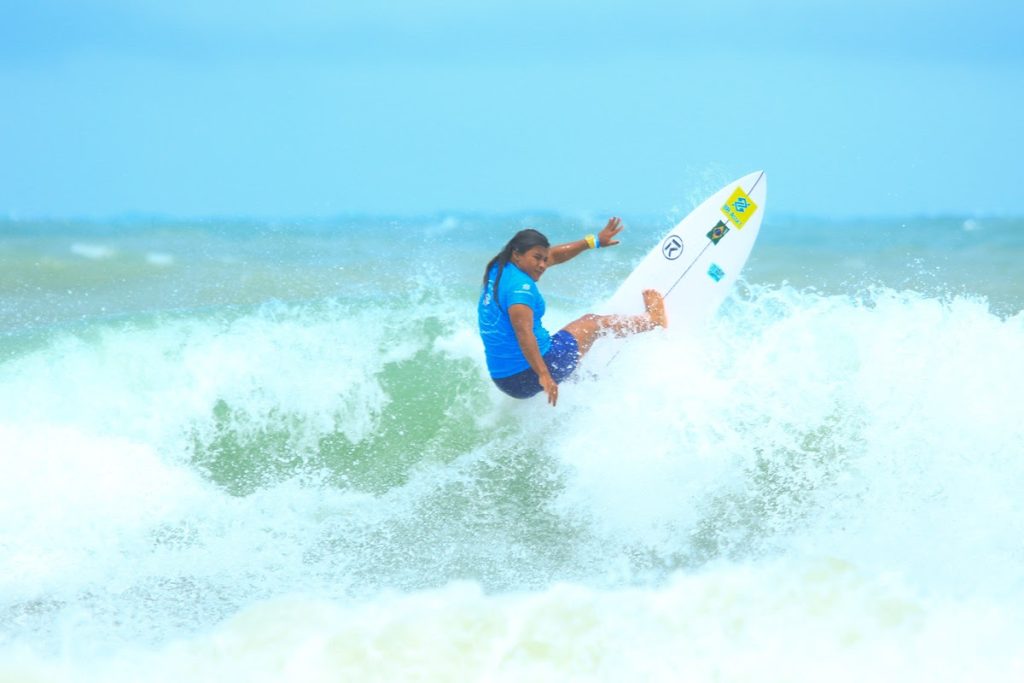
<point x="739" y="208"/>
<point x="718" y="232"/>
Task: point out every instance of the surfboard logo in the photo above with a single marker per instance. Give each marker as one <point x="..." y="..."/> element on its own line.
<point x="739" y="208"/>
<point x="718" y="232"/>
<point x="716" y="273"/>
<point x="672" y="247"/>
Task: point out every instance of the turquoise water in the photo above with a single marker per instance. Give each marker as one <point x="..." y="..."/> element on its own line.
<point x="262" y="450"/>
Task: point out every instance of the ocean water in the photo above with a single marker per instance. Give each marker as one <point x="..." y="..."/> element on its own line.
<point x="254" y="450"/>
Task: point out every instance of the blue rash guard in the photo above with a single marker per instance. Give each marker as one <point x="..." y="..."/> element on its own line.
<point x="504" y="357"/>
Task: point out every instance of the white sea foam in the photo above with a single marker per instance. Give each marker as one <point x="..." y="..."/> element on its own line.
<point x="103" y="495"/>
<point x="811" y="487"/>
<point x="159" y="258"/>
<point x="773" y="622"/>
<point x="95" y="252"/>
<point x="152" y="385"/>
<point x="884" y="433"/>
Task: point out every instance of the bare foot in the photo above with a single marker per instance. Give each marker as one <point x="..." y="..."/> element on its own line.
<point x="655" y="305"/>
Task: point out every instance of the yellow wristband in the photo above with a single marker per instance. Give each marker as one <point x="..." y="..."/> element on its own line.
<point x="590" y="241"/>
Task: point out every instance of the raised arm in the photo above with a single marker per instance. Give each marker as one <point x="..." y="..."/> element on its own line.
<point x="560" y="253"/>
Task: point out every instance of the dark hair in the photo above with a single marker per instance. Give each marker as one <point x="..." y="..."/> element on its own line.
<point x="521" y="242"/>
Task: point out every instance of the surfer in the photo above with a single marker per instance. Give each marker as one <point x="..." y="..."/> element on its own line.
<point x="522" y="357"/>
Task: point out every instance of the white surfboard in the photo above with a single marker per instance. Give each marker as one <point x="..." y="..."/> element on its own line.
<point x="695" y="265"/>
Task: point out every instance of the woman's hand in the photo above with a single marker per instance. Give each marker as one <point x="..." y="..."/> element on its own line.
<point x="606" y="238"/>
<point x="550" y="387"/>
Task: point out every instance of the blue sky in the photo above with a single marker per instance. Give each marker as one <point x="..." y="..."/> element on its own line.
<point x="274" y="108"/>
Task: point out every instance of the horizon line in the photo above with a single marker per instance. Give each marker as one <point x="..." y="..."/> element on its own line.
<point x="445" y="214"/>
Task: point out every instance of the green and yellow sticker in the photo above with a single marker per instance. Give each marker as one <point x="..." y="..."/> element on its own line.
<point x="718" y="232"/>
<point x="739" y="208"/>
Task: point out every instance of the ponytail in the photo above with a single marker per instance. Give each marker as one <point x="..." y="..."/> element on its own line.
<point x="522" y="241"/>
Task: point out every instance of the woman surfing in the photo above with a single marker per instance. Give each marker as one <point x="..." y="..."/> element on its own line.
<point x="523" y="358"/>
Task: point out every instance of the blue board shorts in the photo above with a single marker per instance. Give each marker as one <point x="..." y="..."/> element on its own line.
<point x="561" y="359"/>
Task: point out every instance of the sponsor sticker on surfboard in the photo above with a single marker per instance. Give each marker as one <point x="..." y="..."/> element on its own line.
<point x="739" y="208"/>
<point x="672" y="247"/>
